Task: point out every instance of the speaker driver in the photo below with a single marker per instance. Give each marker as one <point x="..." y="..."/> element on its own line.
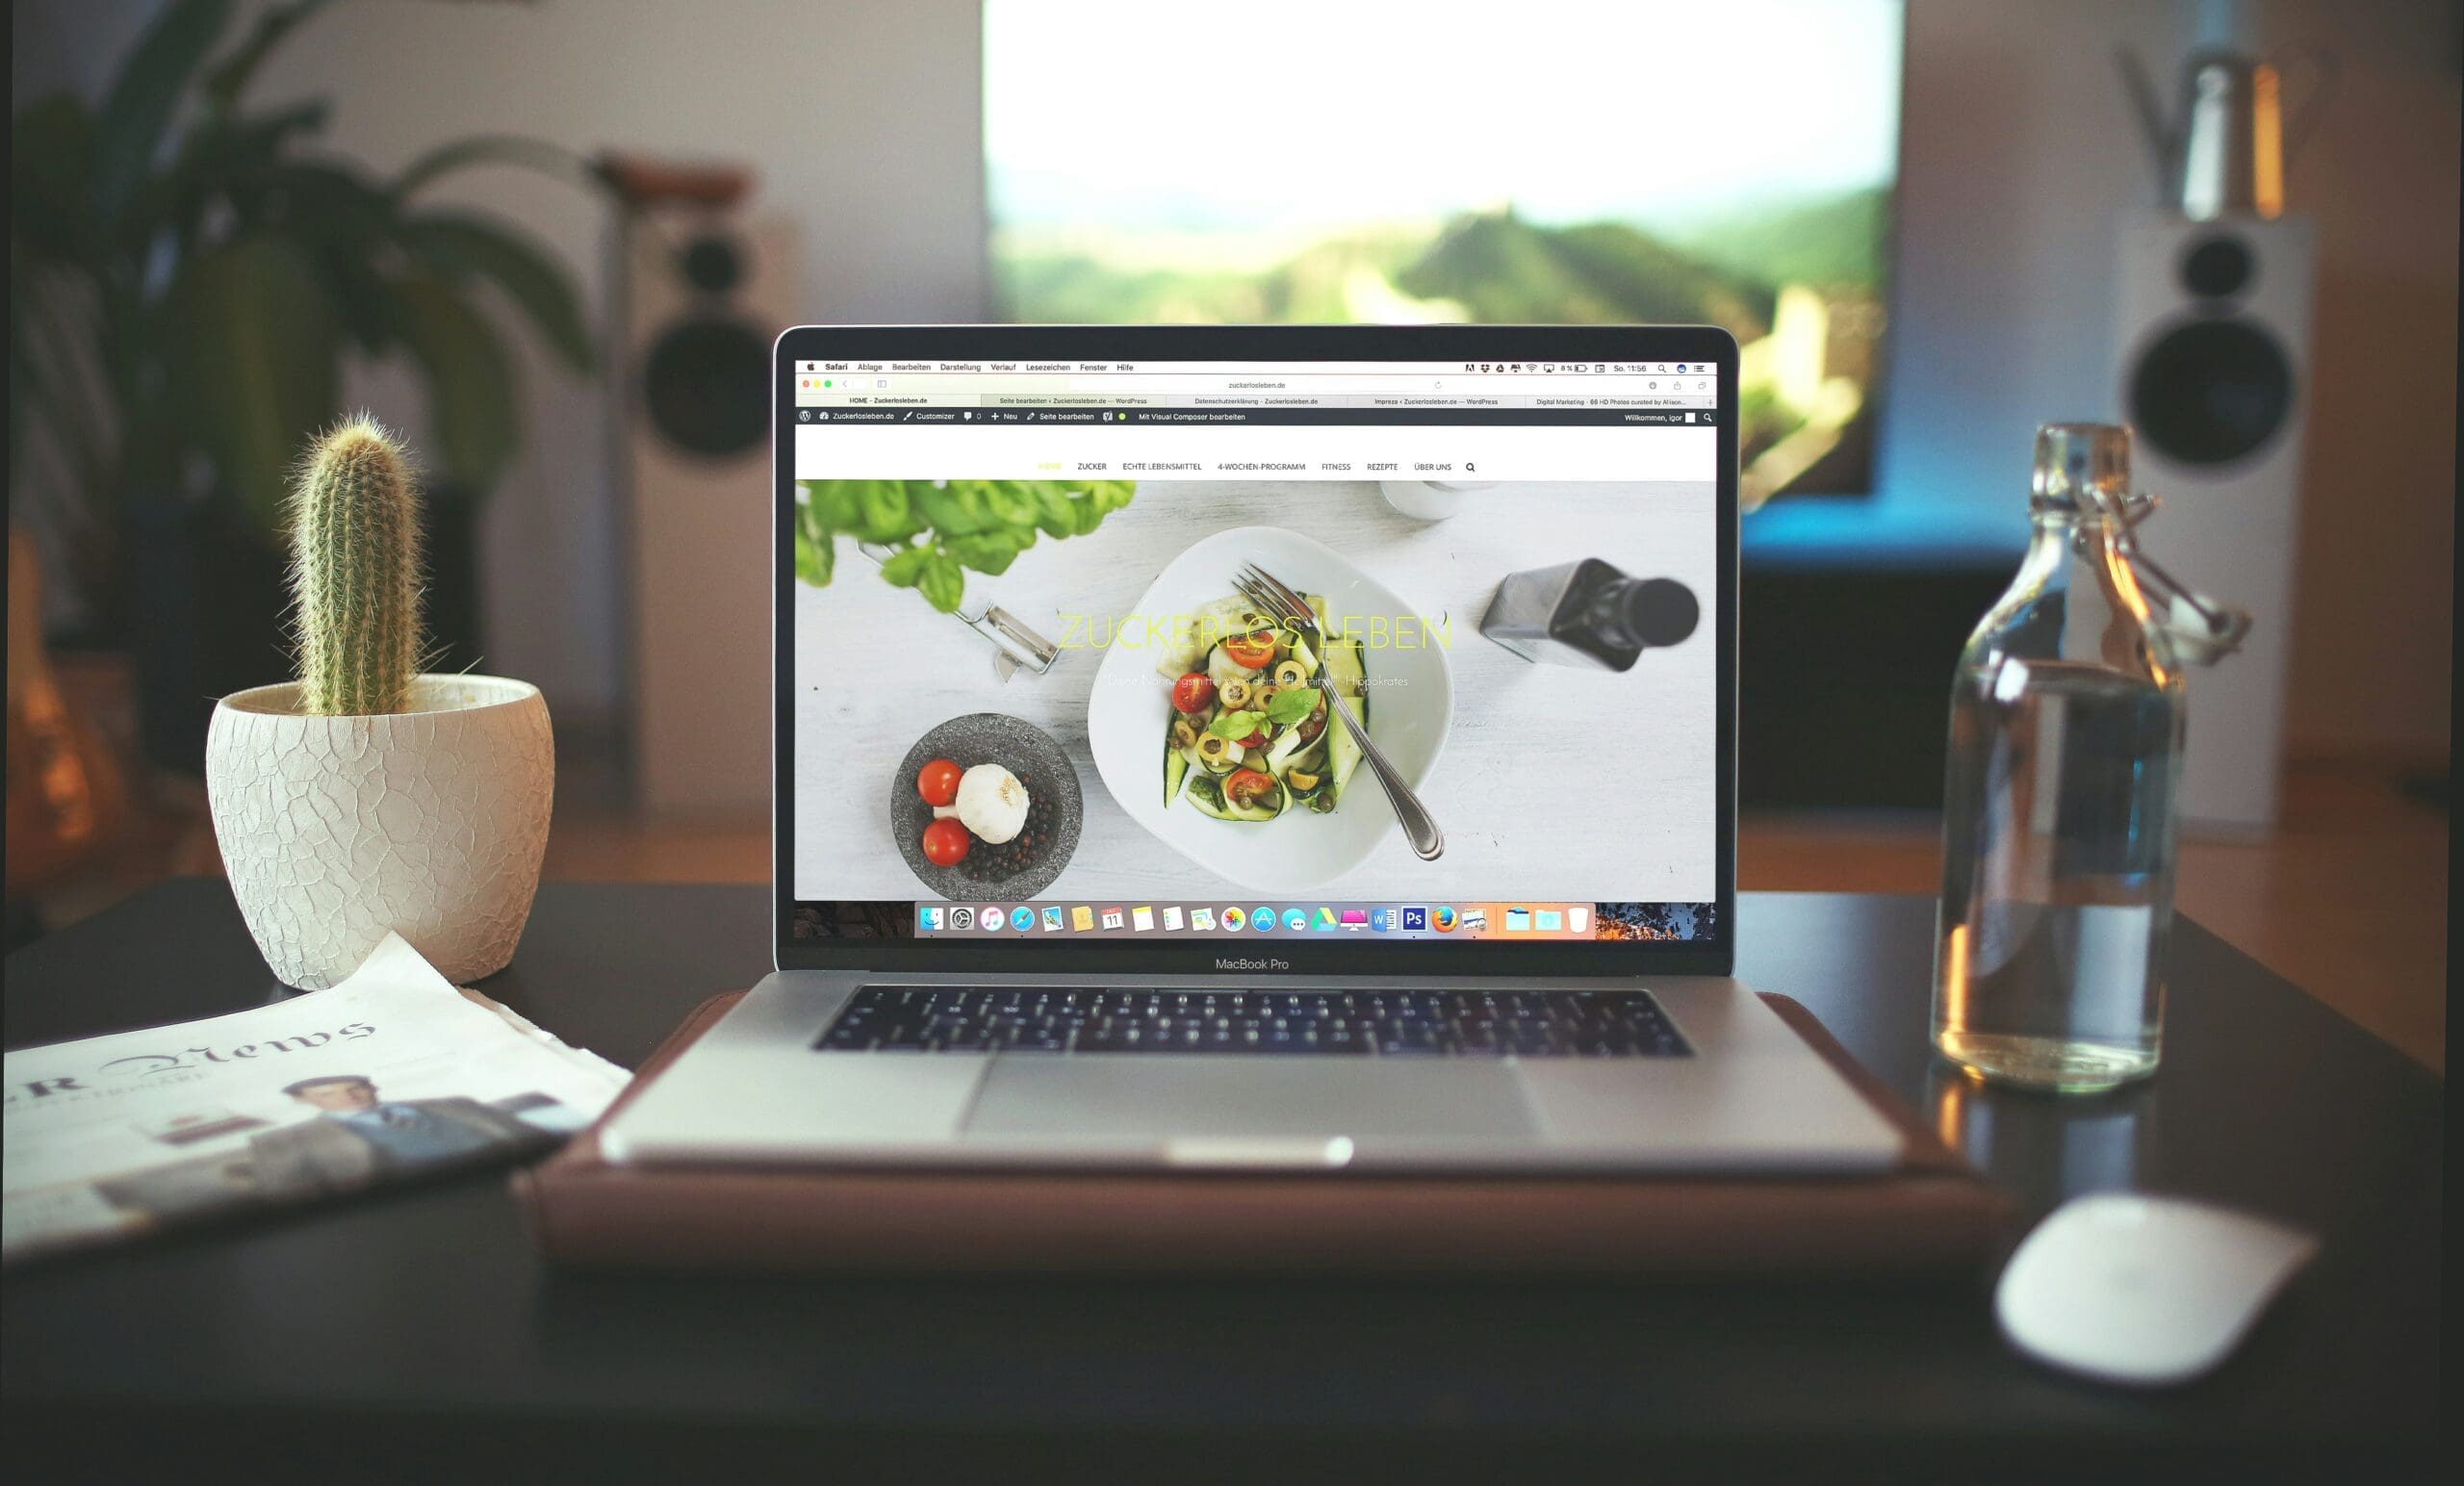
<point x="712" y="263"/>
<point x="2218" y="267"/>
<point x="706" y="383"/>
<point x="2211" y="392"/>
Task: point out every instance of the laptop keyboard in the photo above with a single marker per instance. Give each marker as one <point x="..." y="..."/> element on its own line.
<point x="1356" y="1023"/>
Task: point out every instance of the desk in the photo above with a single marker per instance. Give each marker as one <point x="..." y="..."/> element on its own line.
<point x="415" y="1332"/>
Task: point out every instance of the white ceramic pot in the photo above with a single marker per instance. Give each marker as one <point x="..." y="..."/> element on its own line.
<point x="429" y="822"/>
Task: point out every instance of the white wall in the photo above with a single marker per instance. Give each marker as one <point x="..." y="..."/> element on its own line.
<point x="862" y="121"/>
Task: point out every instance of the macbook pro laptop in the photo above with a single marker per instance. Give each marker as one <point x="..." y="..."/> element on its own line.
<point x="1255" y="747"/>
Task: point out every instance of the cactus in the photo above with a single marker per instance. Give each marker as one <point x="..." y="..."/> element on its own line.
<point x="355" y="573"/>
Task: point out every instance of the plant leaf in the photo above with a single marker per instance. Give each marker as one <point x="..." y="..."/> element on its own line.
<point x="128" y="129"/>
<point x="325" y="204"/>
<point x="338" y="214"/>
<point x="474" y="411"/>
<point x="993" y="551"/>
<point x="905" y="569"/>
<point x="1012" y="503"/>
<point x="1053" y="513"/>
<point x="816" y="551"/>
<point x="230" y="77"/>
<point x="250" y="145"/>
<point x="455" y="244"/>
<point x="493" y="149"/>
<point x="943" y="584"/>
<point x="51" y="147"/>
<point x="885" y="516"/>
<point x="220" y="159"/>
<point x="1236" y="724"/>
<point x="955" y="509"/>
<point x="253" y="342"/>
<point x="830" y="504"/>
<point x="1291" y="704"/>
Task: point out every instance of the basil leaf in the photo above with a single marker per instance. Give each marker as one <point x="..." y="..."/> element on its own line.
<point x="906" y="568"/>
<point x="832" y="503"/>
<point x="816" y="551"/>
<point x="1055" y="514"/>
<point x="955" y="510"/>
<point x="1011" y="503"/>
<point x="943" y="583"/>
<point x="884" y="506"/>
<point x="993" y="551"/>
<point x="1291" y="704"/>
<point x="1236" y="724"/>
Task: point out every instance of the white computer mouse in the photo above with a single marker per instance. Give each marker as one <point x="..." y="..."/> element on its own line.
<point x="2144" y="1291"/>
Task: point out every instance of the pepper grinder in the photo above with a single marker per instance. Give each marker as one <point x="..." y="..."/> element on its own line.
<point x="1589" y="614"/>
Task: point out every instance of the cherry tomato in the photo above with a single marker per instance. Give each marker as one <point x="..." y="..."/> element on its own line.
<point x="938" y="781"/>
<point x="1192" y="693"/>
<point x="1310" y="729"/>
<point x="1249" y="650"/>
<point x="1247" y="786"/>
<point x="945" y="843"/>
<point x="1257" y="740"/>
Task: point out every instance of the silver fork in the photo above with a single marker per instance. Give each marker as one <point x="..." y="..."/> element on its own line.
<point x="1262" y="589"/>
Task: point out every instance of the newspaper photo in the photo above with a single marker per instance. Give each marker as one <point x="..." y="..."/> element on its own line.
<point x="392" y="1075"/>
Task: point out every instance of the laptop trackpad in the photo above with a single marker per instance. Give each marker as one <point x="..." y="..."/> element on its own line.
<point x="1134" y="1100"/>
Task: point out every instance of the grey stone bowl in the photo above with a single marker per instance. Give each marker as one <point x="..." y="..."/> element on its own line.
<point x="1054" y="810"/>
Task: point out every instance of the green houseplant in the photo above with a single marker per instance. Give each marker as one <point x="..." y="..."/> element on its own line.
<point x="365" y="798"/>
<point x="188" y="272"/>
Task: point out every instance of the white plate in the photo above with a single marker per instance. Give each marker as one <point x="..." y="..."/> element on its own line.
<point x="1411" y="691"/>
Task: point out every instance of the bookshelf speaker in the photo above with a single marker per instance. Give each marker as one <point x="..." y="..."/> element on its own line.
<point x="2212" y="373"/>
<point x="705" y="293"/>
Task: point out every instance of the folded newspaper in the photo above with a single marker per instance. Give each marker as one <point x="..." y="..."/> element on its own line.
<point x="391" y="1075"/>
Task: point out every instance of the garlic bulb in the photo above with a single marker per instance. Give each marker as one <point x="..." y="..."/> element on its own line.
<point x="992" y="803"/>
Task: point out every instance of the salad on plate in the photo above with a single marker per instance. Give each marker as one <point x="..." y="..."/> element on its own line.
<point x="1250" y="735"/>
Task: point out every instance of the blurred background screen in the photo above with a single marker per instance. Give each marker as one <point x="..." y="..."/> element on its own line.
<point x="1728" y="164"/>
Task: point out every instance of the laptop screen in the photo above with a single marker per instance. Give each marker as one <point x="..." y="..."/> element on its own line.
<point x="1256" y="663"/>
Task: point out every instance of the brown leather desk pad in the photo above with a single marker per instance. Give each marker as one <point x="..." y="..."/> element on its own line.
<point x="1931" y="1212"/>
